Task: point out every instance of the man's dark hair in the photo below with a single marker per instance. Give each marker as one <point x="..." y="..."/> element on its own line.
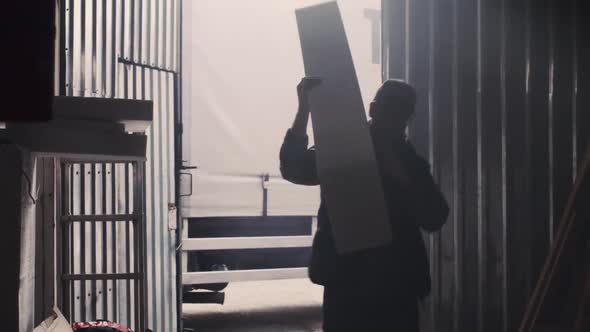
<point x="396" y="95"/>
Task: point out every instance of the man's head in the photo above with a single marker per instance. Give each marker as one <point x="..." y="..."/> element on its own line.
<point x="392" y="108"/>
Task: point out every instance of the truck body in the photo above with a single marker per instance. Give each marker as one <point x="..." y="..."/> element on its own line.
<point x="241" y="62"/>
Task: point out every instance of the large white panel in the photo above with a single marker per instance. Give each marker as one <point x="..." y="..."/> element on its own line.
<point x="346" y="160"/>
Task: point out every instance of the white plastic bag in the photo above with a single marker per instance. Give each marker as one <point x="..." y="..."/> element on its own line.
<point x="55" y="323"/>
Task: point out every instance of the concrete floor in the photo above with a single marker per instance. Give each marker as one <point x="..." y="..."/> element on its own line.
<point x="262" y="306"/>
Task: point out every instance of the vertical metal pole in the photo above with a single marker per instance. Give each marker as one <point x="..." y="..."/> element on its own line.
<point x="136" y="250"/>
<point x="69" y="47"/>
<point x="178" y="164"/>
<point x="62" y="46"/>
<point x="264" y="179"/>
<point x="66" y="172"/>
<point x="83" y="73"/>
<point x="127" y="244"/>
<point x="49" y="226"/>
<point x="114" y="56"/>
<point x="82" y="249"/>
<point x="138" y="254"/>
<point x="103" y="65"/>
<point x="94" y="55"/>
<point x="138" y="210"/>
<point x="114" y="238"/>
<point x="40" y="245"/>
<point x="70" y="238"/>
<point x="59" y="243"/>
<point x="105" y="283"/>
<point x="93" y="252"/>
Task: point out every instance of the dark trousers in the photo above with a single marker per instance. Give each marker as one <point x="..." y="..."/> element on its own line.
<point x="351" y="310"/>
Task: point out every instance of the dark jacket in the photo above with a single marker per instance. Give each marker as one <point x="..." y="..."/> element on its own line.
<point x="401" y="266"/>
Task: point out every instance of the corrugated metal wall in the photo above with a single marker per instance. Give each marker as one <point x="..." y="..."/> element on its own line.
<point x="129" y="49"/>
<point x="503" y="116"/>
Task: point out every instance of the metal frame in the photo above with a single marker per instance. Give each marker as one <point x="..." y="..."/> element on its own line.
<point x="180" y="256"/>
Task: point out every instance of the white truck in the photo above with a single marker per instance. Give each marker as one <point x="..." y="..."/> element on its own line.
<point x="241" y="61"/>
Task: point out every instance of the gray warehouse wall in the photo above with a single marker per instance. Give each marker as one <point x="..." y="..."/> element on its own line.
<point x="503" y="116"/>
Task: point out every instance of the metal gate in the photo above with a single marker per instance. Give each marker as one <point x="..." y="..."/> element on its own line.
<point x="101" y="241"/>
<point x="242" y="243"/>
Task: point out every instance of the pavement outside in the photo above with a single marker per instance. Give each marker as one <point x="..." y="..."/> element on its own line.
<point x="261" y="306"/>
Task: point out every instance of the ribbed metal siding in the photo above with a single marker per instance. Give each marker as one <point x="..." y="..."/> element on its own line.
<point x="128" y="49"/>
<point x="503" y="118"/>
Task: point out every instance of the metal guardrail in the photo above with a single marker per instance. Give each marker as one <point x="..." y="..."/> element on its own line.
<point x="237" y="243"/>
<point x="260" y="242"/>
<point x="212" y="277"/>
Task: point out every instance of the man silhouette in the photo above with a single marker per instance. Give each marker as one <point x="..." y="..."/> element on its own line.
<point x="376" y="289"/>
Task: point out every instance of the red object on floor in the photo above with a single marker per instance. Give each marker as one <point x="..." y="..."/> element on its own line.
<point x="99" y="326"/>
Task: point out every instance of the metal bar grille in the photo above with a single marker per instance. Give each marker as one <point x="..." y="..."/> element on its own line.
<point x="91" y="287"/>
